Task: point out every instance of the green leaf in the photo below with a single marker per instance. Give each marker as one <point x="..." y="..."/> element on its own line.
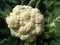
<point x="29" y="43"/>
<point x="56" y="23"/>
<point x="32" y="3"/>
<point x="38" y="3"/>
<point x="10" y="41"/>
<point x="57" y="4"/>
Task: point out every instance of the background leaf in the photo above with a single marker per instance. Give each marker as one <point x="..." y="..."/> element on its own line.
<point x="51" y="11"/>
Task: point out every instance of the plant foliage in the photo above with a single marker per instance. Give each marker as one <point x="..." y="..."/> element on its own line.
<point x="51" y="11"/>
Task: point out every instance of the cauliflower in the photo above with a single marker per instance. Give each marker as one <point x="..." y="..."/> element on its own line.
<point x="25" y="22"/>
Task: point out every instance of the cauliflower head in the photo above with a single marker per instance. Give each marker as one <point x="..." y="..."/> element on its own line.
<point x="25" y="22"/>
